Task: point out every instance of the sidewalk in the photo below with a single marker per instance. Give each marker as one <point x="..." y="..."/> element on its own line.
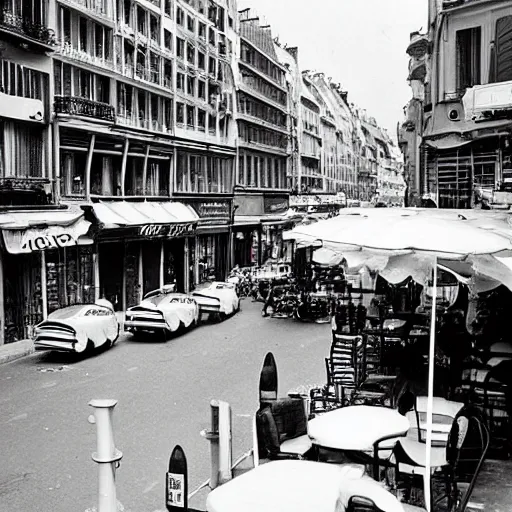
<point x="12" y="351"/>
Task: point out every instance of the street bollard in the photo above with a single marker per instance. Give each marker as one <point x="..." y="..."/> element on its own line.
<point x="107" y="456"/>
<point x="220" y="443"/>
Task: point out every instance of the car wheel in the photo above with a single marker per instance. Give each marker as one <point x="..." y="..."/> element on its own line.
<point x="89" y="348"/>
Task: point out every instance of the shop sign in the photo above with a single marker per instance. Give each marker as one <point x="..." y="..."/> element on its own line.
<point x="249" y="205"/>
<point x="165" y="230"/>
<point x="212" y="209"/>
<point x="275" y="205"/>
<point x="42" y="242"/>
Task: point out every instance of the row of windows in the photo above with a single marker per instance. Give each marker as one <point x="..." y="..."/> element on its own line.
<point x="18" y="80"/>
<point x="147" y="65"/>
<point x="256" y="108"/>
<point x="254" y="134"/>
<point x="261" y="171"/>
<point x="73" y="81"/>
<point x="263" y="87"/>
<point x="261" y="63"/>
<point x="197" y="119"/>
<point x="203" y="174"/>
<point x="81" y="34"/>
<point x="106" y="175"/>
<point x="142" y="109"/>
<point x="186" y="51"/>
<point x="205" y="90"/>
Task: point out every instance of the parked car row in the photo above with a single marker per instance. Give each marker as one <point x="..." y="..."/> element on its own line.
<point x="161" y="312"/>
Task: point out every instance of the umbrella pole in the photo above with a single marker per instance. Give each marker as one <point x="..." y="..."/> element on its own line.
<point x="430" y="397"/>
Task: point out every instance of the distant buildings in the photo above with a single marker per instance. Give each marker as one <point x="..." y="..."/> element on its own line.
<point x="148" y="142"/>
<point x="456" y="138"/>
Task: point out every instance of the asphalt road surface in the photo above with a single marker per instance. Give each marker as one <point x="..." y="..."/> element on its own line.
<point x="163" y="392"/>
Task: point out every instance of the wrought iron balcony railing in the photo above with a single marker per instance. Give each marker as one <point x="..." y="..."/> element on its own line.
<point x="84" y="107"/>
<point x="27" y="28"/>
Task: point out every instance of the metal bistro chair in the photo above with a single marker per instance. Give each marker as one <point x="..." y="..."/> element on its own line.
<point x="460" y="461"/>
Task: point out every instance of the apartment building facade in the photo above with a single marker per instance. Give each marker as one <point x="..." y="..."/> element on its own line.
<point x="261" y="192"/>
<point x="465" y="76"/>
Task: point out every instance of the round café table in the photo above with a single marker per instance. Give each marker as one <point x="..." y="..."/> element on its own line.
<point x="357" y="428"/>
<point x="298" y="486"/>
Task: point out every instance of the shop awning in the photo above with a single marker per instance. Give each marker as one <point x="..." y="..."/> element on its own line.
<point x="118" y="214"/>
<point x="29" y="231"/>
<point x="247" y="220"/>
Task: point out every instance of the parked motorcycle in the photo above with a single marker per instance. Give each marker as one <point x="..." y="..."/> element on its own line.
<point x="286" y="303"/>
<point x="314" y="308"/>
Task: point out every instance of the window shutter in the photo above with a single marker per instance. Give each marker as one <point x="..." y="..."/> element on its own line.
<point x="504" y="49"/>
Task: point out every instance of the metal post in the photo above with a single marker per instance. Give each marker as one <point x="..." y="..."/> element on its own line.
<point x="44" y="291"/>
<point x="220" y="443"/>
<point x="107" y="456"/>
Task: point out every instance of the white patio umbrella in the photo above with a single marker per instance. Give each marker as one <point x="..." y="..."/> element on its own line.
<point x="420" y="238"/>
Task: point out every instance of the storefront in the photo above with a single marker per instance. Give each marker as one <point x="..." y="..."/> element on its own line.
<point x="259" y="223"/>
<point x="210" y="258"/>
<point x="141" y="247"/>
<point x="46" y="265"/>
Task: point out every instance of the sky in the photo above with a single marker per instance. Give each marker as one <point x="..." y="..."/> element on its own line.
<point x="361" y="44"/>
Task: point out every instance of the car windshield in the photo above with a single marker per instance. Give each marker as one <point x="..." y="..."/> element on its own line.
<point x="68" y="312"/>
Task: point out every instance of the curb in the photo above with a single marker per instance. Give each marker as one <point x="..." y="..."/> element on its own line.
<point x="17" y="350"/>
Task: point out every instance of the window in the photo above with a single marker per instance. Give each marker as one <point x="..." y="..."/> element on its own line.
<point x="191" y="54"/>
<point x="154" y="29"/>
<point x="168" y="8"/>
<point x="18" y="80"/>
<point x="180" y="81"/>
<point x="82" y="34"/>
<point x="201" y="89"/>
<point x="468" y="58"/>
<point x="211" y="36"/>
<point x="180" y="16"/>
<point x="211" y="66"/>
<point x="168" y="74"/>
<point x="190" y="23"/>
<point x="180" y="47"/>
<point x="25" y="149"/>
<point x="180" y="113"/>
<point x="141" y="21"/>
<point x="168" y="40"/>
<point x="201" y="120"/>
<point x="191" y="111"/>
<point x="212" y="124"/>
<point x="73" y="172"/>
<point x="191" y="85"/>
<point x="503" y="72"/>
<point x="201" y="60"/>
<point x="201" y="30"/>
<point x="200" y="6"/>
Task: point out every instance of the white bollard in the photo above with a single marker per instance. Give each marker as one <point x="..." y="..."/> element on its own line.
<point x="220" y="443"/>
<point x="107" y="456"/>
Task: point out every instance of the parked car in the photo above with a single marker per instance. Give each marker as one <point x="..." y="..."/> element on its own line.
<point x="79" y="328"/>
<point x="162" y="311"/>
<point x="218" y="298"/>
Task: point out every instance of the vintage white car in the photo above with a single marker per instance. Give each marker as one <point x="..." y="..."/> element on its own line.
<point x="78" y="328"/>
<point x="217" y="298"/>
<point x="162" y="311"/>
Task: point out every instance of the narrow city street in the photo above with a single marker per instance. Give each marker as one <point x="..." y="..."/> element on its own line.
<point x="163" y="391"/>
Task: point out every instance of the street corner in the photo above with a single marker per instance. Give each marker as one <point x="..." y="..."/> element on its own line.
<point x="13" y="351"/>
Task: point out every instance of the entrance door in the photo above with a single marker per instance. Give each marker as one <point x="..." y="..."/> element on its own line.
<point x="111" y="258"/>
<point x="151" y="266"/>
<point x="174" y="263"/>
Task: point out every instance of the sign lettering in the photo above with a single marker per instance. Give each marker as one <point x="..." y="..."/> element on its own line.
<point x="166" y="230"/>
<point x="275" y="205"/>
<point x="175" y="490"/>
<point x="48" y="242"/>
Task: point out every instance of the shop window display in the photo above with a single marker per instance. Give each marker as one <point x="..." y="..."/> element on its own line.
<point x="206" y="257"/>
<point x="69" y="277"/>
<point x="131" y="270"/>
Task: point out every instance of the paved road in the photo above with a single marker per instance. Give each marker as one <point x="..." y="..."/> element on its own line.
<point x="163" y="389"/>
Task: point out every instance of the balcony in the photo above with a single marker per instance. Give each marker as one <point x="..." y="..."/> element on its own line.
<point x="24" y="191"/>
<point x="83" y="107"/>
<point x="141" y="123"/>
<point x="66" y="50"/>
<point x="32" y="34"/>
<point x="98" y="8"/>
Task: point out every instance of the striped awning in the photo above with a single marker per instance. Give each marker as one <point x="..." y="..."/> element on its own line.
<point x="118" y="214"/>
